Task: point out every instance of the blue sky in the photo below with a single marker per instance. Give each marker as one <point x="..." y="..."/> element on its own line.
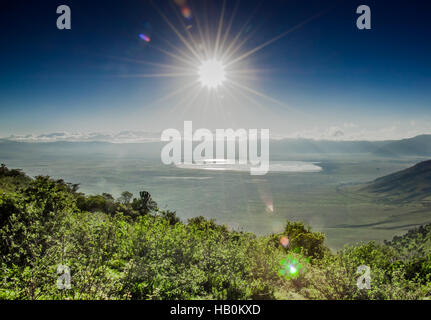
<point x="325" y="76"/>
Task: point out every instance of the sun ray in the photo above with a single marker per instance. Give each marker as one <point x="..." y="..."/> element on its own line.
<point x="172" y="55"/>
<point x="235" y="100"/>
<point x="253" y="70"/>
<point x="183" y="53"/>
<point x="241" y="31"/>
<point x="175" y="93"/>
<point x="234" y="50"/>
<point x="155" y="64"/>
<point x="282" y="35"/>
<point x="221" y="110"/>
<point x="259" y="94"/>
<point x="180" y="36"/>
<point x="204" y="43"/>
<point x="196" y="92"/>
<point x="189" y="35"/>
<point x="247" y="97"/>
<point x="220" y="27"/>
<point x="157" y="75"/>
<point x="208" y="30"/>
<point x="229" y="27"/>
<point x="203" y="111"/>
<point x="246" y="77"/>
<point x="213" y="61"/>
<point x="181" y="102"/>
<point x="247" y="74"/>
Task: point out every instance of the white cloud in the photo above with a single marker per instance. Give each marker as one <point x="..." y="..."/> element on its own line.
<point x="353" y="132"/>
<point x="120" y="137"/>
<point x="343" y="132"/>
<point x="350" y="125"/>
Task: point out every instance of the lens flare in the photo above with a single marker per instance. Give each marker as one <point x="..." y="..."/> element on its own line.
<point x="290" y="268"/>
<point x="186" y="12"/>
<point x="144" y="37"/>
<point x="284" y="241"/>
<point x="270" y="207"/>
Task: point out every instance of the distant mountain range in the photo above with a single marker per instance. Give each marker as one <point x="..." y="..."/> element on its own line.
<point x="419" y="146"/>
<point x="407" y="185"/>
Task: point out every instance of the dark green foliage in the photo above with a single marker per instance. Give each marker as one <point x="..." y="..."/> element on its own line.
<point x="170" y="217"/>
<point x="301" y="236"/>
<point x="185" y="262"/>
<point x="202" y="224"/>
<point x="12" y="180"/>
<point x="335" y="276"/>
<point x="32" y="214"/>
<point x="145" y="204"/>
<point x="107" y="204"/>
<point x="123" y="249"/>
<point x="414" y="249"/>
<point x="5" y="172"/>
<point x="416" y="243"/>
<point x="125" y="198"/>
<point x="98" y="203"/>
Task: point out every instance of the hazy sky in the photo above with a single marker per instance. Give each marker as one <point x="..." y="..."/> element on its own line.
<point x="324" y="79"/>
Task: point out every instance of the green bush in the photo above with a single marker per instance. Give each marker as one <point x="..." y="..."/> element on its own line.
<point x="124" y="249"/>
<point x="301" y="236"/>
<point x="335" y="276"/>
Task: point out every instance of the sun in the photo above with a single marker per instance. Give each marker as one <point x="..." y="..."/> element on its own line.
<point x="212" y="74"/>
<point x="209" y="57"/>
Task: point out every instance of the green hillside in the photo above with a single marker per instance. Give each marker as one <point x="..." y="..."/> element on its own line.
<point x="128" y="248"/>
<point x="412" y="184"/>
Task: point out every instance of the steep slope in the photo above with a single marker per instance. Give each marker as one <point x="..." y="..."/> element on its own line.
<point x="417" y="146"/>
<point x="408" y="185"/>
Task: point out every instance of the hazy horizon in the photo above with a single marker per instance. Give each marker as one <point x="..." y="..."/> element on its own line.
<point x="151" y="137"/>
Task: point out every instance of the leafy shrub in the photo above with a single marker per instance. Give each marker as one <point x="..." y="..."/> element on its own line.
<point x="301" y="236"/>
<point x="124" y="249"/>
<point x="335" y="276"/>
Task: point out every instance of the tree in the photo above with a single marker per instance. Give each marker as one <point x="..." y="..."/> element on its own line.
<point x="5" y="172"/>
<point x="126" y="197"/>
<point x="145" y="204"/>
<point x="3" y="169"/>
<point x="301" y="236"/>
<point x="171" y="217"/>
<point x="108" y="196"/>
